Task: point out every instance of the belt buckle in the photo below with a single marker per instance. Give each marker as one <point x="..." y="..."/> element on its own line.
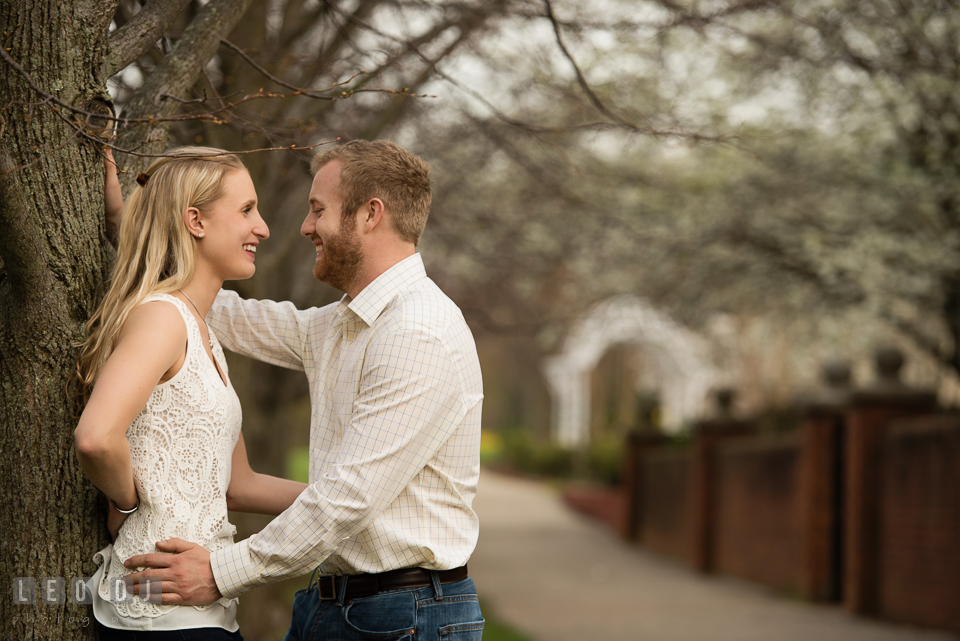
<point x="327" y="587"/>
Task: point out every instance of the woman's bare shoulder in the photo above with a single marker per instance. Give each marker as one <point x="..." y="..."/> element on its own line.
<point x="155" y="326"/>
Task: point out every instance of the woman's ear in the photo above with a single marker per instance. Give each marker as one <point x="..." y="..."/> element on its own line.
<point x="192" y="219"/>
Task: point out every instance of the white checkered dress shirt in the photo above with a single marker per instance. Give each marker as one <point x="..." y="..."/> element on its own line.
<point x="396" y="394"/>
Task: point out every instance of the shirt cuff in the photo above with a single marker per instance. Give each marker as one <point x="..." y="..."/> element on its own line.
<point x="234" y="570"/>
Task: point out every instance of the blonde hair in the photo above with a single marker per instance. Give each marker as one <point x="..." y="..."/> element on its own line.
<point x="155" y="251"/>
<point x="384" y="170"/>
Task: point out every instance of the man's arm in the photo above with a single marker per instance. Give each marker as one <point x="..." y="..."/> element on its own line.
<point x="408" y="404"/>
<point x="276" y="333"/>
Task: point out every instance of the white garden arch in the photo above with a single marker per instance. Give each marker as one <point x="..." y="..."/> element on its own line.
<point x="682" y="372"/>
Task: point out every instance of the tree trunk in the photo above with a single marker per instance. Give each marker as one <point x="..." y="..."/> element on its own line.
<point x="56" y="259"/>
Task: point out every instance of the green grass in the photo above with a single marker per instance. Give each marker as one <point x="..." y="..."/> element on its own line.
<point x="298" y="464"/>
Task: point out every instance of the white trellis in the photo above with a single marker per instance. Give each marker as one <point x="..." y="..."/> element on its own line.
<point x="682" y="372"/>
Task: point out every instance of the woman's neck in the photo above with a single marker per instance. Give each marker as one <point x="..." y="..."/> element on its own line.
<point x="201" y="292"/>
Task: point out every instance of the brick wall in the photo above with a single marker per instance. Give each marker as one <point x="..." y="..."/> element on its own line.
<point x="821" y="505"/>
<point x="919" y="533"/>
<point x="757" y="527"/>
<point x="606" y="504"/>
<point x="665" y="488"/>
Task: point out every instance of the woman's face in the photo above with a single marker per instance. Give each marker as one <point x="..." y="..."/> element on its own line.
<point x="232" y="229"/>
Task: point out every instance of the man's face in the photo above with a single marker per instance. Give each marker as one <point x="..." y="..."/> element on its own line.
<point x="339" y="251"/>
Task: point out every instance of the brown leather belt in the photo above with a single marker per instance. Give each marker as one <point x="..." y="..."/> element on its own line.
<point x="362" y="585"/>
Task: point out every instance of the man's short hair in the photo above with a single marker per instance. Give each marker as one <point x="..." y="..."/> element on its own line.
<point x="384" y="170"/>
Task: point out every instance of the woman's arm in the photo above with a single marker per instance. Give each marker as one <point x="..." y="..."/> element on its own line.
<point x="112" y="197"/>
<point x="258" y="493"/>
<point x="151" y="344"/>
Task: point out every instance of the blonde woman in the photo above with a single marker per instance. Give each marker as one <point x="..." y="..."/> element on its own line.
<point x="160" y="431"/>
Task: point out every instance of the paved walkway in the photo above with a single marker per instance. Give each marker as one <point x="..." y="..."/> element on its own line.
<point x="557" y="576"/>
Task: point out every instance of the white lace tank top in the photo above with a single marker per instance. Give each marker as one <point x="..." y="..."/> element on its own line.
<point x="181" y="446"/>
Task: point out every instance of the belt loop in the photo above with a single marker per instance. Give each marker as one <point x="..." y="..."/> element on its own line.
<point x="342" y="592"/>
<point x="437" y="589"/>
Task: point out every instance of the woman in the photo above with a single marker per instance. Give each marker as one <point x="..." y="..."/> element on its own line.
<point x="160" y="432"/>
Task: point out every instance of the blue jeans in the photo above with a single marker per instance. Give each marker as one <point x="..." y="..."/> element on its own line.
<point x="451" y="613"/>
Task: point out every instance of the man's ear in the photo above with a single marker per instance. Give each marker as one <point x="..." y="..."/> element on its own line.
<point x="372" y="215"/>
<point x="193" y="220"/>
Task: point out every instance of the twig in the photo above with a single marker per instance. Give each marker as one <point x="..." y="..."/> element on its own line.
<point x="250" y="61"/>
<point x="26" y="76"/>
<point x="182" y="101"/>
<point x="232" y="153"/>
<point x="528" y="127"/>
<point x="581" y="80"/>
<point x="207" y="116"/>
<point x="300" y="91"/>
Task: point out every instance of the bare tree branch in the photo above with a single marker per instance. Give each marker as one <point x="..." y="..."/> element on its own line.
<point x="176" y="74"/>
<point x="679" y="16"/>
<point x="467" y="27"/>
<point x="344" y="31"/>
<point x="614" y="122"/>
<point x="92" y="130"/>
<point x="582" y="81"/>
<point x="48" y="97"/>
<point x="130" y="41"/>
<point x="272" y="78"/>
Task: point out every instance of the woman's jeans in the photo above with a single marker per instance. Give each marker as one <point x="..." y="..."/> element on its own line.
<point x="450" y="612"/>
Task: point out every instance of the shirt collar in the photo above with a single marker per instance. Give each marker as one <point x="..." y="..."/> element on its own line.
<point x="375" y="297"/>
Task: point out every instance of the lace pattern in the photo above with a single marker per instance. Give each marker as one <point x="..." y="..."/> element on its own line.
<point x="181" y="446"/>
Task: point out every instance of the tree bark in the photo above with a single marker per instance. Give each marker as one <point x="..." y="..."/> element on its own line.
<point x="174" y="76"/>
<point x="133" y="39"/>
<point x="56" y="261"/>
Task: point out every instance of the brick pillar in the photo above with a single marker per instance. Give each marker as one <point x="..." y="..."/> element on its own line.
<point x="703" y="498"/>
<point x="638" y="443"/>
<point x="870" y="411"/>
<point x="820" y="499"/>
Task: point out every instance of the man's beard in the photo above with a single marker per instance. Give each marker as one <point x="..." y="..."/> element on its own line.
<point x="341" y="260"/>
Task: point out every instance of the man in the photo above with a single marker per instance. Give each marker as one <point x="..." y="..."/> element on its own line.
<point x="395" y="428"/>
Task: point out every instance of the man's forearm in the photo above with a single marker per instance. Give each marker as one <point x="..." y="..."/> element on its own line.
<point x="251" y="563"/>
